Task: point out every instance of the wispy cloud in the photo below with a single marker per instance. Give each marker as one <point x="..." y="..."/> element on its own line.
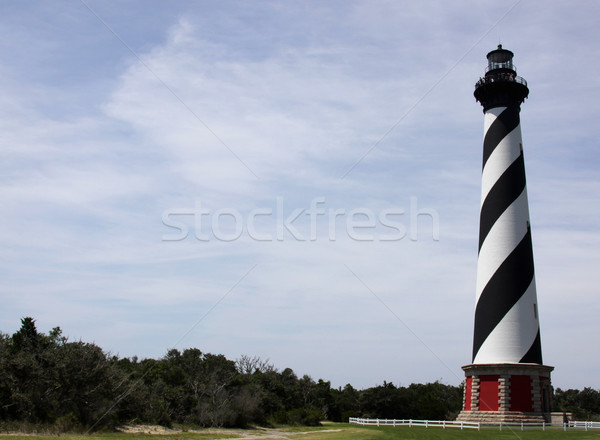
<point x="96" y="149"/>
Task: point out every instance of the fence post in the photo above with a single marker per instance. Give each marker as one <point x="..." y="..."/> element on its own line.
<point x="377" y="422"/>
<point x="444" y="424"/>
<point x="426" y="424"/>
<point x="461" y="425"/>
<point x="478" y="426"/>
<point x="564" y="426"/>
<point x="410" y="423"/>
<point x="521" y="426"/>
<point x="543" y="426"/>
<point x="500" y="426"/>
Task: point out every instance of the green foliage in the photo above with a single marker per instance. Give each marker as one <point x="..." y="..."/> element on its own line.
<point x="47" y="381"/>
<point x="584" y="404"/>
<point x="298" y="416"/>
<point x="68" y="423"/>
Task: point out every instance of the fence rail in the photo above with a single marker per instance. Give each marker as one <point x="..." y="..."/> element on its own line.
<point x="410" y="423"/>
<point x="584" y="425"/>
<point x="578" y="425"/>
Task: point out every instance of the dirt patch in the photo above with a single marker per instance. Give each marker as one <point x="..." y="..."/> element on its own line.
<point x="147" y="429"/>
<point x="277" y="434"/>
<point x="258" y="433"/>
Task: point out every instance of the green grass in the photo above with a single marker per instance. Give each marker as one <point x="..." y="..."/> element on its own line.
<point x="338" y="431"/>
<point x="354" y="432"/>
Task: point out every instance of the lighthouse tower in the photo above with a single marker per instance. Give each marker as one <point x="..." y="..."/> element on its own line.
<point x="507" y="381"/>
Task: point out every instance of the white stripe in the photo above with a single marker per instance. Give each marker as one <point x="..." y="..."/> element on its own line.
<point x="503" y="238"/>
<point x="514" y="335"/>
<point x="490" y="116"/>
<point x="505" y="153"/>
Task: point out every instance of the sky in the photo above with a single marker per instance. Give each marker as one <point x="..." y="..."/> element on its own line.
<point x="298" y="181"/>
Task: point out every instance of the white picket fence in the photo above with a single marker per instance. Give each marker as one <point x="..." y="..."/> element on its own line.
<point x="584" y="425"/>
<point x="409" y="422"/>
<point x="471" y="425"/>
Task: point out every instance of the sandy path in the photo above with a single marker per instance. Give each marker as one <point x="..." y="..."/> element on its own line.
<point x="259" y="433"/>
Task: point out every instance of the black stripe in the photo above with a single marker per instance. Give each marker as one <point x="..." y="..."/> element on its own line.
<point x="506" y="122"/>
<point x="503" y="290"/>
<point x="505" y="191"/>
<point x="534" y="355"/>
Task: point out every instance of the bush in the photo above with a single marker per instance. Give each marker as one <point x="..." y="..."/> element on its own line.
<point x="67" y="423"/>
<point x="305" y="417"/>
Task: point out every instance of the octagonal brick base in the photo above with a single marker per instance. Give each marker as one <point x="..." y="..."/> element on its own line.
<point x="507" y="393"/>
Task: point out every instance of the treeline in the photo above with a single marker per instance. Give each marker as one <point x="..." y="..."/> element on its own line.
<point x="584" y="404"/>
<point x="45" y="380"/>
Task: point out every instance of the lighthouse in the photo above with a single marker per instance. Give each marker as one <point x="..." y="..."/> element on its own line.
<point x="507" y="380"/>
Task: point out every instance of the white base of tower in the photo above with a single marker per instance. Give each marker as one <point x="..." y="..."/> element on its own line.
<point x="507" y="393"/>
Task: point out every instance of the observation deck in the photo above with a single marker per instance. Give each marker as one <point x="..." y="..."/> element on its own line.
<point x="500" y="86"/>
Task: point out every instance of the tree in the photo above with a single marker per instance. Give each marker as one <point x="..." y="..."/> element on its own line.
<point x="27" y="337"/>
<point x="584" y="404"/>
<point x="248" y="365"/>
<point x="345" y="404"/>
<point x="48" y="380"/>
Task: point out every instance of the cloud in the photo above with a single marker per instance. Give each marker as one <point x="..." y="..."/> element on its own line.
<point x="241" y="108"/>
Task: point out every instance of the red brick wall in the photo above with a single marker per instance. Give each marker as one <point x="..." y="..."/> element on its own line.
<point x="488" y="393"/>
<point x="520" y="393"/>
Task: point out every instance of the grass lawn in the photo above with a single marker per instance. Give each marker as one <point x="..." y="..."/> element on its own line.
<point x="353" y="432"/>
<point x="334" y="431"/>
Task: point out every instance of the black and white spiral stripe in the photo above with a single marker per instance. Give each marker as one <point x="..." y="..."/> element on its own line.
<point x="506" y="318"/>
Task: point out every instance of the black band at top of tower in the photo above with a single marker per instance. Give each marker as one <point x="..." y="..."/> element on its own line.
<point x="500" y="87"/>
